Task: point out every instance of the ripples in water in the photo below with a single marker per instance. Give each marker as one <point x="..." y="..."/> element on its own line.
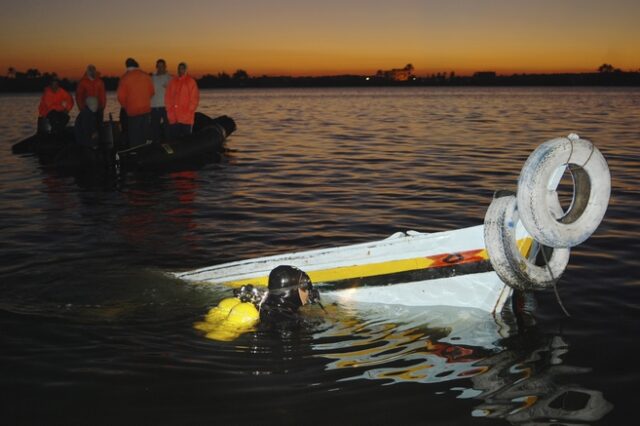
<point x="93" y="331"/>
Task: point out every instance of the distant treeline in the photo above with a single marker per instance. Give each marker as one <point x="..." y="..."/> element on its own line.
<point x="620" y="78"/>
<point x="33" y="81"/>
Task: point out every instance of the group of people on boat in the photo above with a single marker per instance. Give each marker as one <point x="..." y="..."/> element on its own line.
<point x="153" y="107"/>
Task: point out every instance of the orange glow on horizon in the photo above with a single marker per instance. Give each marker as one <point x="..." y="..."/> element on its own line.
<point x="73" y="68"/>
<point x="289" y="38"/>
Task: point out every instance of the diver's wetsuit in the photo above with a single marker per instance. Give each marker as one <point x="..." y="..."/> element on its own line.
<point x="277" y="310"/>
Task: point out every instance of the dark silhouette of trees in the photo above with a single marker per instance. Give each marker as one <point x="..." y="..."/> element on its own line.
<point x="240" y="75"/>
<point x="606" y="75"/>
<point x="607" y="68"/>
<point x="31" y="80"/>
<point x="33" y="73"/>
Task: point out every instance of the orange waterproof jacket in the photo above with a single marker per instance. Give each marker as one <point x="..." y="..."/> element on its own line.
<point x="60" y="100"/>
<point x="135" y="91"/>
<point x="181" y="99"/>
<point x="87" y="87"/>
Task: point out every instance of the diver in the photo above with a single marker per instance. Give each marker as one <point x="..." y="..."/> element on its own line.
<point x="288" y="290"/>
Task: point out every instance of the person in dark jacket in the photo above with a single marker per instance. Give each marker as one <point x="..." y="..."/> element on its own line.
<point x="86" y="129"/>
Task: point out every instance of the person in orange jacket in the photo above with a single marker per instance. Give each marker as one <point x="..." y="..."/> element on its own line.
<point x="55" y="105"/>
<point x="181" y="100"/>
<point x="135" y="90"/>
<point x="91" y="85"/>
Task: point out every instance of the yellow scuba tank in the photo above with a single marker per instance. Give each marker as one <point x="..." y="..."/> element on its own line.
<point x="289" y="288"/>
<point x="229" y="319"/>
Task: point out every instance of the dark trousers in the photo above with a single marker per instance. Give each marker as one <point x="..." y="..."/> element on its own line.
<point x="58" y="120"/>
<point x="159" y="124"/>
<point x="179" y="130"/>
<point x="138" y="129"/>
<point x="86" y="128"/>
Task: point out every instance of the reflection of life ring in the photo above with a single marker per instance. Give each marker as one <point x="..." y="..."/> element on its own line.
<point x="538" y="203"/>
<point x="511" y="266"/>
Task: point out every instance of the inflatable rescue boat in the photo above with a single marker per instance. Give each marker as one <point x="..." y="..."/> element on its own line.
<point x="524" y="244"/>
<point x="204" y="145"/>
<point x="60" y="150"/>
<point x="45" y="145"/>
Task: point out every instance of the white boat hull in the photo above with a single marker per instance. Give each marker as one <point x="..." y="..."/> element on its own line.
<point x="414" y="269"/>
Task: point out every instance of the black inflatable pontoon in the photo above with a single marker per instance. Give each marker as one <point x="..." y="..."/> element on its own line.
<point x="60" y="149"/>
<point x="45" y="145"/>
<point x="204" y="145"/>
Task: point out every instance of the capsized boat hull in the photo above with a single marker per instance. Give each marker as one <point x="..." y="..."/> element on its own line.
<point x="415" y="269"/>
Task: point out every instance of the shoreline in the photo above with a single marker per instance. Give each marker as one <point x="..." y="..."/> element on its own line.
<point x="223" y="81"/>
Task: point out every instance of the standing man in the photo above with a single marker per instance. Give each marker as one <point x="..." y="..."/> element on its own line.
<point x="134" y="94"/>
<point x="159" y="120"/>
<point x="91" y="85"/>
<point x="181" y="100"/>
<point x="86" y="129"/>
<point x="55" y="105"/>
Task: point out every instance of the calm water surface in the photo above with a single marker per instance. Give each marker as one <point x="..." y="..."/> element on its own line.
<point x="93" y="332"/>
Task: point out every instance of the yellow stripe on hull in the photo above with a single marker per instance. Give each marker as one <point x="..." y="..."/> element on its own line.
<point x="381" y="268"/>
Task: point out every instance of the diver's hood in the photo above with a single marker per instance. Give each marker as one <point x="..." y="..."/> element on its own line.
<point x="284" y="282"/>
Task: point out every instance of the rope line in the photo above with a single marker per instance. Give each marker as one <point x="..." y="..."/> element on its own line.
<point x="555" y="283"/>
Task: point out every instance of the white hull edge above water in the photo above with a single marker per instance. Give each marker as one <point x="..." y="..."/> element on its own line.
<point x="415" y="269"/>
<point x="476" y="267"/>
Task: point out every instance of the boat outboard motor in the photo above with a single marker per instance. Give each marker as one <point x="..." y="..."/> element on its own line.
<point x="289" y="289"/>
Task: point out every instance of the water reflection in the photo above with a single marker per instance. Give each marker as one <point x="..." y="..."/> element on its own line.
<point x="525" y="384"/>
<point x="517" y="376"/>
<point x="165" y="211"/>
<point x="79" y="304"/>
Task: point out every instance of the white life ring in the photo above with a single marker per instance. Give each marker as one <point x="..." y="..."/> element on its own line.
<point x="511" y="266"/>
<point x="538" y="204"/>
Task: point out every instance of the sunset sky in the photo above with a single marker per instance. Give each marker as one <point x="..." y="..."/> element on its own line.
<point x="329" y="37"/>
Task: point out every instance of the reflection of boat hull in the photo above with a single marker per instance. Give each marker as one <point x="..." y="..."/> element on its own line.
<point x="514" y="377"/>
<point x="441" y="269"/>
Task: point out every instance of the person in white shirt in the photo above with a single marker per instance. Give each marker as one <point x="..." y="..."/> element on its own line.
<point x="159" y="120"/>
